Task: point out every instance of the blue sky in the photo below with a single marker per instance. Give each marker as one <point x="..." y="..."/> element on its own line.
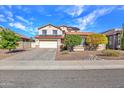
<point x="26" y="19"/>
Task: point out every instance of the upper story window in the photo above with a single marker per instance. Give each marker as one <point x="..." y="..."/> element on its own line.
<point x="54" y="32"/>
<point x="44" y="32"/>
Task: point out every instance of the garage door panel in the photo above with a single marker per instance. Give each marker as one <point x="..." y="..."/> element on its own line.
<point x="48" y="44"/>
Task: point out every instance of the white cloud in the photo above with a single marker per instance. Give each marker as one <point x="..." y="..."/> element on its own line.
<point x="11" y="24"/>
<point x="10" y="19"/>
<point x="2" y="18"/>
<point x="1" y="15"/>
<point x="27" y="10"/>
<point x="6" y="10"/>
<point x="8" y="16"/>
<point x="92" y="17"/>
<point x="22" y="19"/>
<point x="18" y="25"/>
<point x="9" y="13"/>
<point x="75" y="10"/>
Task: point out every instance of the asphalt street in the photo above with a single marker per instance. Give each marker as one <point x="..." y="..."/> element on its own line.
<point x="62" y="79"/>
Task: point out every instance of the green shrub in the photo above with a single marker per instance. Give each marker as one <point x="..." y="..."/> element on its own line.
<point x="72" y="40"/>
<point x="8" y="39"/>
<point x="65" y="52"/>
<point x="112" y="53"/>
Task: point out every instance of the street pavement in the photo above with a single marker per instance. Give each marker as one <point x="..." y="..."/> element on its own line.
<point x="34" y="54"/>
<point x="62" y="78"/>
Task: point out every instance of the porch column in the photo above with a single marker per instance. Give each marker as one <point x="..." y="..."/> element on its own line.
<point x="58" y="44"/>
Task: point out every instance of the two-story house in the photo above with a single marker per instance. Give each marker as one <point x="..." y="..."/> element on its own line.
<point x="50" y="36"/>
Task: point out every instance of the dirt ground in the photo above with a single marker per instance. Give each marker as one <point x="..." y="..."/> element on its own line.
<point x="4" y="53"/>
<point x="86" y="55"/>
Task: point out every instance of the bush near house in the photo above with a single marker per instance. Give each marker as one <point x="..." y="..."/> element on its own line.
<point x="8" y="39"/>
<point x="72" y="40"/>
<point x="113" y="53"/>
<point x="95" y="39"/>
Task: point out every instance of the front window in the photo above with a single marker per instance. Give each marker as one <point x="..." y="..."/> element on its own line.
<point x="54" y="32"/>
<point x="110" y="40"/>
<point x="44" y="32"/>
<point x="119" y="38"/>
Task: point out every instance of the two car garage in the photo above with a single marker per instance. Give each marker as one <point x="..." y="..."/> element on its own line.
<point x="48" y="44"/>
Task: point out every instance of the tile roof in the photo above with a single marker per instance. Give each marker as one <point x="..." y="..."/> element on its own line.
<point x="49" y="37"/>
<point x="69" y="27"/>
<point x="112" y="32"/>
<point x="79" y="33"/>
<point x="48" y="25"/>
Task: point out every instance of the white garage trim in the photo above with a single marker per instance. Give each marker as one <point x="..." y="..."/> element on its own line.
<point x="48" y="44"/>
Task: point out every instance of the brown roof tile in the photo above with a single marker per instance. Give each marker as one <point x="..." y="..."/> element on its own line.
<point x="111" y="32"/>
<point x="79" y="33"/>
<point x="48" y="37"/>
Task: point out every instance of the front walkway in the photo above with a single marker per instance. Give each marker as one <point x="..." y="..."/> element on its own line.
<point x="34" y="54"/>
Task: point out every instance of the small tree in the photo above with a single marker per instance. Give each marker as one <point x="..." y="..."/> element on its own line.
<point x="8" y="39"/>
<point x="122" y="39"/>
<point x="95" y="39"/>
<point x="72" y="40"/>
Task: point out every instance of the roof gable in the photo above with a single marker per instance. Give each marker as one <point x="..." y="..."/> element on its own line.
<point x="49" y="25"/>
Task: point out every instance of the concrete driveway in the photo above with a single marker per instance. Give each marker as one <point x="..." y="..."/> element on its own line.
<point x="34" y="54"/>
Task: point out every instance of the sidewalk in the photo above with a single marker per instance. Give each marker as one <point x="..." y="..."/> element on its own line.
<point x="62" y="65"/>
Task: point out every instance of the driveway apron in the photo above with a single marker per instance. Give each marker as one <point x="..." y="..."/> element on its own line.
<point x="34" y="54"/>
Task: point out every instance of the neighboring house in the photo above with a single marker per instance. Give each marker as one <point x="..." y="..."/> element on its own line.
<point x="25" y="42"/>
<point x="114" y="36"/>
<point x="50" y="36"/>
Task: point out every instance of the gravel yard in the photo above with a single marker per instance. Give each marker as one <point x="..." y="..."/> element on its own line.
<point x="86" y="55"/>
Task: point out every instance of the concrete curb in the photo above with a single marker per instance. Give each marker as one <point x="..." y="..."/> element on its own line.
<point x="62" y="65"/>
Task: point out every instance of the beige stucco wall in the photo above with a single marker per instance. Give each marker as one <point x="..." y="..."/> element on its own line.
<point x="101" y="47"/>
<point x="59" y="42"/>
<point x="50" y="30"/>
<point x="64" y="28"/>
<point x="24" y="44"/>
<point x="36" y="41"/>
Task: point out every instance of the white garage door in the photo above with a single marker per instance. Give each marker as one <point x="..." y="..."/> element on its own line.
<point x="48" y="44"/>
